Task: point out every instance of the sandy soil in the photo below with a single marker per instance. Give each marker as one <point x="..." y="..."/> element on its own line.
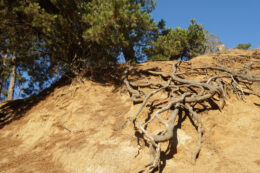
<point x="83" y="128"/>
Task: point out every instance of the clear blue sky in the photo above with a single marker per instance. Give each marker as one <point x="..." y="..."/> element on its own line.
<point x="233" y="21"/>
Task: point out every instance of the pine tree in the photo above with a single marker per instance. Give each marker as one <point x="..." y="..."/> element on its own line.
<point x="178" y="43"/>
<point x="71" y="35"/>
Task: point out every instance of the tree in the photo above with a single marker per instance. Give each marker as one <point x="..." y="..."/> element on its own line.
<point x="19" y="45"/>
<point x="127" y="24"/>
<point x="196" y="40"/>
<point x="178" y="43"/>
<point x="71" y="35"/>
<point x="71" y="30"/>
<point x="169" y="46"/>
<point x="243" y="46"/>
<point x="212" y="42"/>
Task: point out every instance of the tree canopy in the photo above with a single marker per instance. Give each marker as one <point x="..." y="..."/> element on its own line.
<point x="178" y="43"/>
<point x="41" y="40"/>
<point x="61" y="36"/>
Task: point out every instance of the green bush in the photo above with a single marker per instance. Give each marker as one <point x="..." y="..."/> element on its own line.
<point x="178" y="43"/>
<point x="244" y="46"/>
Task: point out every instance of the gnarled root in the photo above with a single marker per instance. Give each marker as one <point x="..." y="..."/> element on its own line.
<point x="183" y="94"/>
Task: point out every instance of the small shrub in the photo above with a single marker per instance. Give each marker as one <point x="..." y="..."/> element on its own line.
<point x="244" y="46"/>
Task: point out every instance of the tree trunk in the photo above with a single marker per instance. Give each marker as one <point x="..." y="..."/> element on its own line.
<point x="2" y="68"/>
<point x="20" y="90"/>
<point x="1" y="81"/>
<point x="128" y="51"/>
<point x="12" y="79"/>
<point x="129" y="54"/>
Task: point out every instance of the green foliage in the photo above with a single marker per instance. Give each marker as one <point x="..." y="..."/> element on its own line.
<point x="71" y="35"/>
<point x="19" y="36"/>
<point x="243" y="46"/>
<point x="196" y="40"/>
<point x="73" y="32"/>
<point x="53" y="37"/>
<point x="178" y="43"/>
<point x="119" y="25"/>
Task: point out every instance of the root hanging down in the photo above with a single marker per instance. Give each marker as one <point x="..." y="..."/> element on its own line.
<point x="183" y="94"/>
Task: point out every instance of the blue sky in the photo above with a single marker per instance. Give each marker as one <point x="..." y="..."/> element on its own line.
<point x="233" y="21"/>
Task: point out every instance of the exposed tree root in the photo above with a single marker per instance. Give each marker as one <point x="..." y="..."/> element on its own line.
<point x="200" y="140"/>
<point x="183" y="94"/>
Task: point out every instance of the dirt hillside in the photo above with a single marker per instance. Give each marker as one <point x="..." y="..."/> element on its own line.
<point x="83" y="127"/>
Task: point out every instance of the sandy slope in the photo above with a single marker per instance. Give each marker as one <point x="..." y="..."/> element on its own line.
<point x="84" y="128"/>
